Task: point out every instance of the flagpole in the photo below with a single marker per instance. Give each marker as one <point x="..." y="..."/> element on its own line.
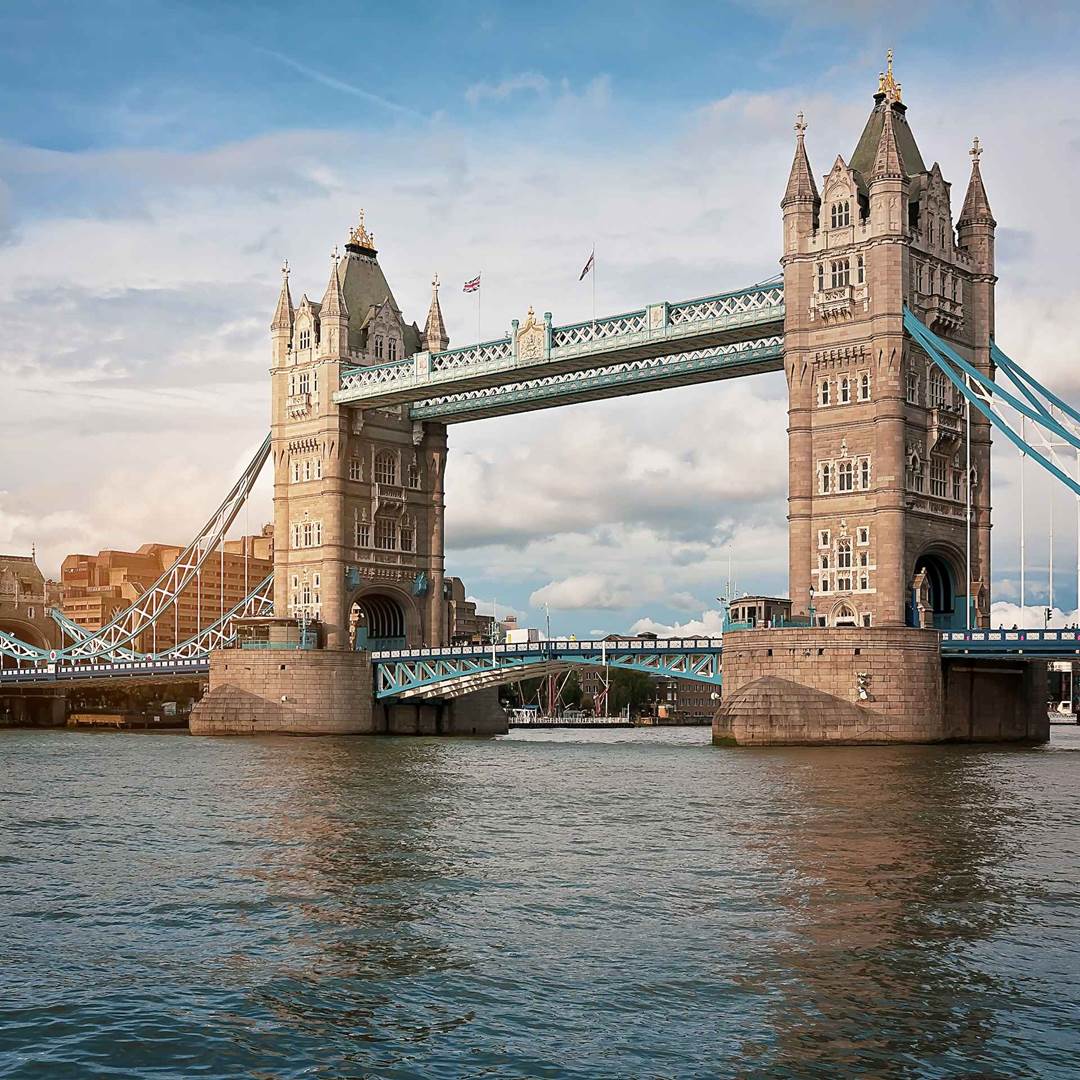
<point x="478" y="338"/>
<point x="594" y="283"/>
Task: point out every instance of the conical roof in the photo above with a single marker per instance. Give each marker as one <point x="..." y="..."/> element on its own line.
<point x="283" y="313"/>
<point x="800" y="186"/>
<point x="976" y="204"/>
<point x="889" y="160"/>
<point x="333" y="301"/>
<point x="435" y="335"/>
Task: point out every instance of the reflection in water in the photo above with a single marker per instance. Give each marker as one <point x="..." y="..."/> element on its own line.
<point x="554" y="904"/>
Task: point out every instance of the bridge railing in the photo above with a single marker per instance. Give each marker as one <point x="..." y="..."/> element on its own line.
<point x="553" y="645"/>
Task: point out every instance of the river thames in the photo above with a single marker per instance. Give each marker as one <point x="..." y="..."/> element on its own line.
<point x="580" y="904"/>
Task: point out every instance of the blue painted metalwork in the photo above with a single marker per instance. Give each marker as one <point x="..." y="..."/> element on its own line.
<point x="988" y="644"/>
<point x="65" y="671"/>
<point x="420" y="584"/>
<point x="659" y="329"/>
<point x="631" y="377"/>
<point x="454" y="670"/>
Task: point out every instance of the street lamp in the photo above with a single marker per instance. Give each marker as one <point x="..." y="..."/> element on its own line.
<point x="812" y="594"/>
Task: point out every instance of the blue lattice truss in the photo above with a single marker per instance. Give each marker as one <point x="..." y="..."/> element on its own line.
<point x="458" y="670"/>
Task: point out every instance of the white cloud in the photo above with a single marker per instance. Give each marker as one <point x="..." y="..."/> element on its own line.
<point x="711" y="624"/>
<point x="515" y="84"/>
<point x="1003" y="614"/>
<point x="581" y="592"/>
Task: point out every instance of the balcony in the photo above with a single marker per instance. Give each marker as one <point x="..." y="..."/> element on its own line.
<point x="839" y="302"/>
<point x="943" y="433"/>
<point x="297" y="405"/>
<point x="942" y="314"/>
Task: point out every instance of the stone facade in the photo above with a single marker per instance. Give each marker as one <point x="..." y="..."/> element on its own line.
<point x="878" y="461"/>
<point x="358" y="494"/>
<point x="871" y="685"/>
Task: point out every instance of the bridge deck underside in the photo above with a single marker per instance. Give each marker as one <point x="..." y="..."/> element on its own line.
<point x="617" y="380"/>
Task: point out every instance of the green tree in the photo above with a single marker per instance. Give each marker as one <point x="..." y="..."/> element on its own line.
<point x="632" y="688"/>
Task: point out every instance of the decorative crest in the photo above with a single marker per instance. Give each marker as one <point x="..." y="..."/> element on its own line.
<point x="976" y="150"/>
<point x="285" y="267"/>
<point x="435" y="283"/>
<point x="887" y="84"/>
<point x="800" y="125"/>
<point x="334" y="256"/>
<point x="360" y="236"/>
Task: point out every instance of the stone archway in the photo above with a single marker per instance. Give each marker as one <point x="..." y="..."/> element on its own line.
<point x="936" y="599"/>
<point x="844" y="615"/>
<point x="378" y="620"/>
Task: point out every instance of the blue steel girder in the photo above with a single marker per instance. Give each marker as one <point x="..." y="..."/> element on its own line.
<point x="457" y="670"/>
<point x="1015" y="644"/>
<point x="615" y="380"/>
<point x="541" y="349"/>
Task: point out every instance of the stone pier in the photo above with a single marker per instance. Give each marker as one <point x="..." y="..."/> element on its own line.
<point x="871" y="685"/>
<point x="325" y="692"/>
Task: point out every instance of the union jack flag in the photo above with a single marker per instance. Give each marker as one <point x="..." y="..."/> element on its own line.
<point x="472" y="286"/>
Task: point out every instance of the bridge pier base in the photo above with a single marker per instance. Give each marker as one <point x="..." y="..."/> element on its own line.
<point x="808" y="686"/>
<point x="325" y="692"/>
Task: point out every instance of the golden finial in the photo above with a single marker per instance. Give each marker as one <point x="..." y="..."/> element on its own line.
<point x="887" y="84"/>
<point x="975" y="151"/>
<point x="360" y="236"/>
<point x="800" y="125"/>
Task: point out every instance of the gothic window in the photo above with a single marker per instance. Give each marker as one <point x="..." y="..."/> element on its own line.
<point x="930" y="230"/>
<point x="385" y="467"/>
<point x="864" y="559"/>
<point x="823" y="538"/>
<point x="820" y="276"/>
<point x="823" y="562"/>
<point x="843" y="554"/>
<point x="933" y="280"/>
<point x="356" y="471"/>
<point x="314" y="380"/>
<point x="860" y="270"/>
<point x="942" y="232"/>
<point x="864" y="581"/>
<point x="914" y="473"/>
<point x="363" y="534"/>
<point x="864" y="386"/>
<point x="825" y="479"/>
<point x="378" y="347"/>
<point x="862" y="534"/>
<point x="823" y="392"/>
<point x="913" y="387"/>
<point x="845" y="391"/>
<point x="841" y="272"/>
<point x="957" y="485"/>
<point x="305" y="339"/>
<point x="864" y="473"/>
<point x="318" y="468"/>
<point x="392" y="349"/>
<point x="408" y="536"/>
<point x="305" y="382"/>
<point x="296" y="472"/>
<point x="292" y="385"/>
<point x="841" y="213"/>
<point x="937" y="388"/>
<point x="824" y="583"/>
<point x="386" y="534"/>
<point x="937" y="477"/>
<point x="307" y="470"/>
<point x="414" y="475"/>
<point x="846" y="476"/>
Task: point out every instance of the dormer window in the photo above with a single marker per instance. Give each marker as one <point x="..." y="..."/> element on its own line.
<point x="841" y="213"/>
<point x="392" y="349"/>
<point x="305" y="339"/>
<point x="930" y="231"/>
<point x="378" y="347"/>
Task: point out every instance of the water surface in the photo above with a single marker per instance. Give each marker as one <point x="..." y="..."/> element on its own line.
<point x="551" y="904"/>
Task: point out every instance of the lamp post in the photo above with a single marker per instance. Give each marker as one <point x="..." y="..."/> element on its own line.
<point x="812" y="594"/>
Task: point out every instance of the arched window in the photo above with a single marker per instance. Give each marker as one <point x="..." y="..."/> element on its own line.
<point x="914" y="473"/>
<point x="846" y="476"/>
<point x="841" y="213"/>
<point x="378" y="347"/>
<point x="392" y="349"/>
<point x="823" y="390"/>
<point x="864" y="473"/>
<point x="414" y="475"/>
<point x="408" y="536"/>
<point x="385" y="467"/>
<point x="825" y="480"/>
<point x="929" y="230"/>
<point x="841" y="272"/>
<point x="860" y="270"/>
<point x="845" y="616"/>
<point x="820" y="276"/>
<point x="845" y="391"/>
<point x="824" y="561"/>
<point x="305" y="339"/>
<point x="864" y="386"/>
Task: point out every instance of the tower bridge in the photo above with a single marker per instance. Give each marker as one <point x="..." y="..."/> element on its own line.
<point x="883" y="324"/>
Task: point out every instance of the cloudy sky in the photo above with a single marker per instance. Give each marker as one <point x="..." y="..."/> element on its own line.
<point x="158" y="160"/>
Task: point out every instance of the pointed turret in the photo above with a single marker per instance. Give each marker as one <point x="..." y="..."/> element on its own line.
<point x="975" y="226"/>
<point x="281" y="328"/>
<point x="435" y="336"/>
<point x="888" y="161"/>
<point x="333" y="315"/>
<point x="976" y="204"/>
<point x="800" y="185"/>
<point x="283" y="313"/>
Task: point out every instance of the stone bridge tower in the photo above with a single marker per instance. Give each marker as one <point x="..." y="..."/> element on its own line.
<point x="877" y="436"/>
<point x="358" y="494"/>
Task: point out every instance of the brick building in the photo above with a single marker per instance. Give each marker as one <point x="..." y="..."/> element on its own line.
<point x="94" y="588"/>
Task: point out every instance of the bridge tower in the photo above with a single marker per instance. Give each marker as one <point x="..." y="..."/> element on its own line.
<point x="358" y="494"/>
<point x="877" y="438"/>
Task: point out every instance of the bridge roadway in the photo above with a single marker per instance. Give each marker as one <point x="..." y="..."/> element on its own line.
<point x="539" y="365"/>
<point x="454" y="670"/>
